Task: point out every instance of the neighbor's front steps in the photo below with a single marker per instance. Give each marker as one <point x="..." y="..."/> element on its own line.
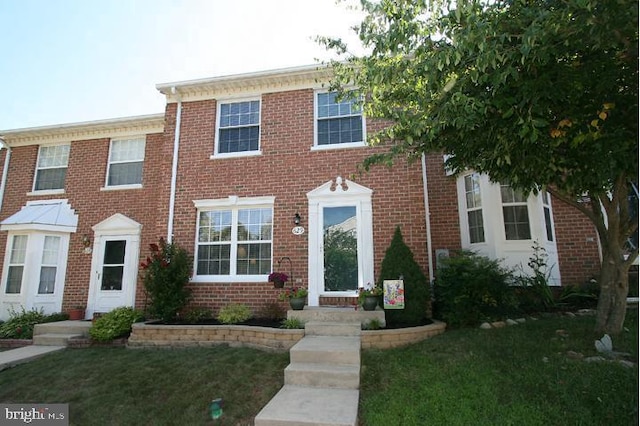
<point x="59" y="333"/>
<point x="47" y="338"/>
<point x="321" y="384"/>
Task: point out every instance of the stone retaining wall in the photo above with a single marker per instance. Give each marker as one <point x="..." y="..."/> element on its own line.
<point x="265" y="338"/>
<point x="385" y="339"/>
<point x="272" y="339"/>
<point x="15" y="343"/>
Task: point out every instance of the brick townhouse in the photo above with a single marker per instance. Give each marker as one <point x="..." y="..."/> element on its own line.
<point x="251" y="173"/>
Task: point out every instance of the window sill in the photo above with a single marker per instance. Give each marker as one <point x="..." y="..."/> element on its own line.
<point x="219" y="279"/>
<point x="338" y="146"/>
<point x="121" y="187"/>
<point x="236" y="155"/>
<point x="45" y="192"/>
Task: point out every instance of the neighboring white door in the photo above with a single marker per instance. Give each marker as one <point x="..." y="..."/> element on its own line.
<point x="114" y="265"/>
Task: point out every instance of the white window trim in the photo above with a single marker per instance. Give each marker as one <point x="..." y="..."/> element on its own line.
<point x="510" y="252"/>
<point x="317" y="147"/>
<point x="108" y="187"/>
<point x="526" y="203"/>
<point x="29" y="296"/>
<point x="216" y="155"/>
<point x="41" y="192"/>
<point x="547" y="205"/>
<point x="473" y="209"/>
<point x="233" y="203"/>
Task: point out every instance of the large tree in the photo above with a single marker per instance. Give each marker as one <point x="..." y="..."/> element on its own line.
<point x="540" y="94"/>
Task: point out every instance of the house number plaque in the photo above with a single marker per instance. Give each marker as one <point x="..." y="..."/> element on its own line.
<point x="297" y="230"/>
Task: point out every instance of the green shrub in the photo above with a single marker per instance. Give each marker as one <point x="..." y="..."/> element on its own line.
<point x="292" y="323"/>
<point x="58" y="316"/>
<point x="398" y="262"/>
<point x="166" y="275"/>
<point x="197" y="314"/>
<point x="114" y="324"/>
<point x="470" y="288"/>
<point x="580" y="297"/>
<point x="373" y="324"/>
<point x="234" y="313"/>
<point x="20" y="324"/>
<point x="534" y="294"/>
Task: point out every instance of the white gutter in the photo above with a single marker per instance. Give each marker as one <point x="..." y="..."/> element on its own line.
<point x="427" y="217"/>
<point x="5" y="170"/>
<point x="174" y="166"/>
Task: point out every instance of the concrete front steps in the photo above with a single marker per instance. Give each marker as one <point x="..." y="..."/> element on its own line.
<point x="59" y="333"/>
<point x="321" y="384"/>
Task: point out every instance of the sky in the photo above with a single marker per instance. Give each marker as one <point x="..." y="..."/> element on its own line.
<point x="69" y="61"/>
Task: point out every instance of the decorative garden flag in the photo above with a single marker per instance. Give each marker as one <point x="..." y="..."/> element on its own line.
<point x="393" y="294"/>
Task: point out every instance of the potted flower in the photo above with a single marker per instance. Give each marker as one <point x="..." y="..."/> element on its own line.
<point x="76" y="313"/>
<point x="296" y="296"/>
<point x="369" y="296"/>
<point x="278" y="279"/>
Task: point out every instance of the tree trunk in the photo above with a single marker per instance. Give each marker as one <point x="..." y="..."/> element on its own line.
<point x="614" y="288"/>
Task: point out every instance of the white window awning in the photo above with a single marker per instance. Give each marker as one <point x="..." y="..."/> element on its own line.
<point x="46" y="215"/>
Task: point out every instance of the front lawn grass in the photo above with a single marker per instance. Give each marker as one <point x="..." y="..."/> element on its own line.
<point x="529" y="374"/>
<point x="519" y="375"/>
<point x="118" y="386"/>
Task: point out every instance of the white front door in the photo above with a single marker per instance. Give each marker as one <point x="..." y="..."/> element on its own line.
<point x="114" y="265"/>
<point x="340" y="240"/>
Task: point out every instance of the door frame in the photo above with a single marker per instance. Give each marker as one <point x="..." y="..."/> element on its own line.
<point x="116" y="227"/>
<point x="337" y="193"/>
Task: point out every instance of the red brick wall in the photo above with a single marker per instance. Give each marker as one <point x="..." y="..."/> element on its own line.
<point x="577" y="243"/>
<point x="85" y="177"/>
<point x="443" y="206"/>
<point x="287" y="169"/>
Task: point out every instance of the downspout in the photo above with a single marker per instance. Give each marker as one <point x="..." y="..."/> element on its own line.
<point x="427" y="217"/>
<point x="174" y="166"/>
<point x="5" y="169"/>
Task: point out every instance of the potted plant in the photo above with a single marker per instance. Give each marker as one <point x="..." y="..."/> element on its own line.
<point x="369" y="297"/>
<point x="278" y="279"/>
<point x="297" y="297"/>
<point x="76" y="313"/>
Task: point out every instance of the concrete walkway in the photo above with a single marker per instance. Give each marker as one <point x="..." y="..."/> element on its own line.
<point x="13" y="357"/>
<point x="322" y="382"/>
<point x="47" y="338"/>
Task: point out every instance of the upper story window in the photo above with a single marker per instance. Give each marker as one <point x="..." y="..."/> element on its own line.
<point x="52" y="167"/>
<point x="238" y="129"/>
<point x="515" y="213"/>
<point x="234" y="240"/>
<point x="126" y="157"/>
<point x="338" y="123"/>
<point x="474" y="208"/>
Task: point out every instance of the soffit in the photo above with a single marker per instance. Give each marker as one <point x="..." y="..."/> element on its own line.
<point x="312" y="76"/>
<point x="112" y="128"/>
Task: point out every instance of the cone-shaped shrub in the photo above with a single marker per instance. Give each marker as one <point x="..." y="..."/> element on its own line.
<point x="398" y="261"/>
